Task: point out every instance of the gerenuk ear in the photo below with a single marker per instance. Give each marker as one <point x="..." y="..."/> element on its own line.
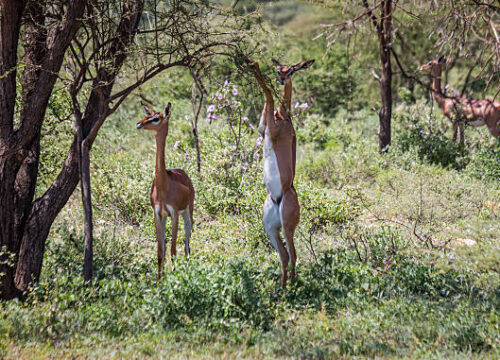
<point x="303" y="65"/>
<point x="168" y="109"/>
<point x="441" y="59"/>
<point x="147" y="110"/>
<point x="276" y="63"/>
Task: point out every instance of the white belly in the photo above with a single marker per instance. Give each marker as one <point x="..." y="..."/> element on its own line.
<point x="271" y="171"/>
<point x="477" y="122"/>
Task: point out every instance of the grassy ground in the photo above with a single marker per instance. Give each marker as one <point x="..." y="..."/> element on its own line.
<point x="398" y="254"/>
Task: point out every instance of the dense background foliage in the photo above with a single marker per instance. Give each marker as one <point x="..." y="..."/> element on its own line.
<point x="398" y="254"/>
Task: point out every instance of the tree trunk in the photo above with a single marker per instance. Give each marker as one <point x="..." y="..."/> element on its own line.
<point x="197" y="87"/>
<point x="50" y="204"/>
<point x="10" y="23"/>
<point x="20" y="146"/>
<point x="25" y="222"/>
<point x="84" y="172"/>
<point x="385" y="113"/>
<point x="43" y="213"/>
<point x="197" y="147"/>
<point x="25" y="236"/>
<point x="87" y="211"/>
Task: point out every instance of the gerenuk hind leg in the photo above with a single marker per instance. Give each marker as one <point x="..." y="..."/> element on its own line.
<point x="187" y="230"/>
<point x="173" y="245"/>
<point x="493" y="129"/>
<point x="290" y="216"/>
<point x="272" y="225"/>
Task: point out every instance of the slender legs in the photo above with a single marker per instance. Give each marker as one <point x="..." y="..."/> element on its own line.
<point x="493" y="129"/>
<point x="283" y="216"/>
<point x="160" y="238"/>
<point x="175" y="228"/>
<point x="160" y="223"/>
<point x="458" y="129"/>
<point x="188" y="224"/>
<point x="290" y="216"/>
<point x="455" y="130"/>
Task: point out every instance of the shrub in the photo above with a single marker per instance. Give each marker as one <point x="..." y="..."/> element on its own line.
<point x="425" y="136"/>
<point x="484" y="162"/>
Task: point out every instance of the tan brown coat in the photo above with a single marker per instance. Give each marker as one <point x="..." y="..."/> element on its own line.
<point x="460" y="110"/>
<point x="172" y="193"/>
<point x="281" y="208"/>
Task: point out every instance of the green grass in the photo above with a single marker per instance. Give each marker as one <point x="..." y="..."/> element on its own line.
<point x="367" y="286"/>
<point x="398" y="254"/>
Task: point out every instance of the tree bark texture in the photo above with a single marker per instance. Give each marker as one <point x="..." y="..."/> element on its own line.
<point x="24" y="221"/>
<point x="84" y="176"/>
<point x="383" y="28"/>
<point x="20" y="145"/>
<point x="88" y="251"/>
<point x="385" y="114"/>
<point x="49" y="30"/>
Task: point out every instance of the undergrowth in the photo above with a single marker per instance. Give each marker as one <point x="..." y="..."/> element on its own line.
<point x="398" y="253"/>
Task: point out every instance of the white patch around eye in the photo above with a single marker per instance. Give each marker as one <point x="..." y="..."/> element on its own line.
<point x="154" y="119"/>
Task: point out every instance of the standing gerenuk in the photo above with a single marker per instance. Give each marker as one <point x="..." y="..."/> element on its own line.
<point x="281" y="208"/>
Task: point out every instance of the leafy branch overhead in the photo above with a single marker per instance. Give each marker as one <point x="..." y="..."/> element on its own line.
<point x="89" y="47"/>
<point x="455" y="29"/>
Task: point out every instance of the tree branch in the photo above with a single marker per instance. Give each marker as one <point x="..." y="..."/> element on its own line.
<point x="372" y="16"/>
<point x="10" y="15"/>
<point x="58" y="40"/>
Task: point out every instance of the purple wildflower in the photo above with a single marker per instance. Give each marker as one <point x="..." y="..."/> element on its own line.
<point x="258" y="142"/>
<point x="297" y="105"/>
<point x="256" y="155"/>
<point x="211" y="108"/>
<point x="235" y="92"/>
<point x="176" y="144"/>
<point x="244" y="118"/>
<point x="187" y="156"/>
<point x="304" y="106"/>
<point x="251" y="126"/>
<point x="214" y="116"/>
<point x="226" y="83"/>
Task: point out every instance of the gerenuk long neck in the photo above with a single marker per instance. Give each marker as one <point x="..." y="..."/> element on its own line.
<point x="437" y="93"/>
<point x="160" y="170"/>
<point x="286" y="98"/>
